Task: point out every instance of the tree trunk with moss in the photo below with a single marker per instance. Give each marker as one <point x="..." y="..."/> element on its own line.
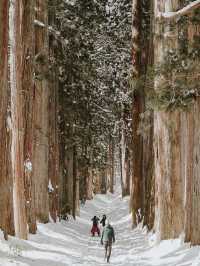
<point x="168" y="179"/>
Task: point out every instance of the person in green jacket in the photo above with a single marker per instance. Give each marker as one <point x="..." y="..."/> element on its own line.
<point x="107" y="238"/>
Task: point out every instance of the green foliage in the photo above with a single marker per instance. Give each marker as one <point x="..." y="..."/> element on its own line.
<point x="93" y="80"/>
<point x="178" y="79"/>
<point x="78" y="24"/>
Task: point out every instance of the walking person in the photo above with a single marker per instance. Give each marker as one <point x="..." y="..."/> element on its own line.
<point x="103" y="220"/>
<point x="95" y="228"/>
<point x="107" y="238"/>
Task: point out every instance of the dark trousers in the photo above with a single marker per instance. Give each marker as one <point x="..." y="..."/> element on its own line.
<point x="108" y="249"/>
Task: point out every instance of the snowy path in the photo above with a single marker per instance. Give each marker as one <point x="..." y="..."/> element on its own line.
<point x="70" y="243"/>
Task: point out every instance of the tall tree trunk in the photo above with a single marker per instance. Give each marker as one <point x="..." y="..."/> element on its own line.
<point x="190" y="171"/>
<point x="53" y="149"/>
<point x="6" y="182"/>
<point x="190" y="153"/>
<point x="142" y="185"/>
<point x="75" y="196"/>
<point x="103" y="178"/>
<point x="148" y="173"/>
<point x="111" y="165"/>
<point x="16" y="11"/>
<point x="70" y="200"/>
<point x="147" y="61"/>
<point x="125" y="161"/>
<point x="89" y="182"/>
<point x="138" y="98"/>
<point x="169" y="183"/>
<point x="137" y="178"/>
<point x="53" y="86"/>
<point x="137" y="110"/>
<point x="41" y="114"/>
<point x="28" y="92"/>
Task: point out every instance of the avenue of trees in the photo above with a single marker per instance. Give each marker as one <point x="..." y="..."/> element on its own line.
<point x="90" y="89"/>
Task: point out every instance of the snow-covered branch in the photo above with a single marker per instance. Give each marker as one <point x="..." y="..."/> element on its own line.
<point x="184" y="11"/>
<point x="102" y="109"/>
<point x="39" y="23"/>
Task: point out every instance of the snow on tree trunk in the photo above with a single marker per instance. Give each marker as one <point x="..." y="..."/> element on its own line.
<point x="28" y="92"/>
<point x="6" y="199"/>
<point x="169" y="183"/>
<point x="41" y="115"/>
<point x="17" y="129"/>
<point x="53" y="85"/>
<point x="54" y="149"/>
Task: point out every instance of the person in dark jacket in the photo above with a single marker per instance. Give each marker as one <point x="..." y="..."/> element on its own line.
<point x="95" y="228"/>
<point x="107" y="238"/>
<point x="103" y="220"/>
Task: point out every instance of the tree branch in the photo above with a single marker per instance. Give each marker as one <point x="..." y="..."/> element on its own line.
<point x="184" y="11"/>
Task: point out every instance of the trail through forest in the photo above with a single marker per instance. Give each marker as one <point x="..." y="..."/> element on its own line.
<point x="70" y="243"/>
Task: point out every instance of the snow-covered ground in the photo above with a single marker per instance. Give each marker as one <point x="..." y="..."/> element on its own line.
<point x="70" y="243"/>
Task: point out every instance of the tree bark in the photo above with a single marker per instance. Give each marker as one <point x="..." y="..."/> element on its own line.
<point x="111" y="165"/>
<point x="28" y="92"/>
<point x="190" y="156"/>
<point x="17" y="145"/>
<point x="6" y="182"/>
<point x="125" y="181"/>
<point x="53" y="86"/>
<point x="41" y="114"/>
<point x="53" y="172"/>
<point x="142" y="186"/>
<point x="169" y="182"/>
<point x="182" y="12"/>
